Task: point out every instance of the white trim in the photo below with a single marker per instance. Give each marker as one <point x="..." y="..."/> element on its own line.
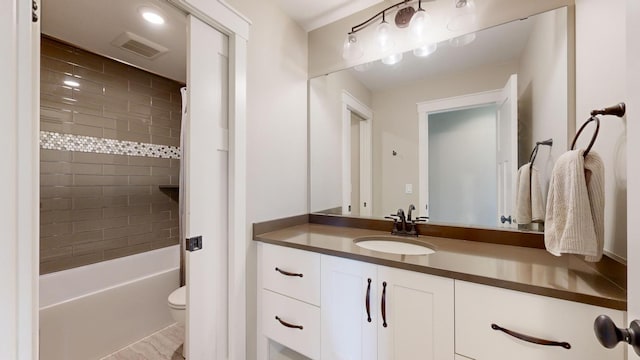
<point x="217" y="14"/>
<point x="433" y="107"/>
<point x="352" y="104"/>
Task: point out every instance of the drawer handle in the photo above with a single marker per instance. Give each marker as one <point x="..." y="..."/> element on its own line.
<point x="367" y="301"/>
<point x="284" y="323"/>
<point x="531" y="339"/>
<point x="384" y="304"/>
<point x="287" y="273"/>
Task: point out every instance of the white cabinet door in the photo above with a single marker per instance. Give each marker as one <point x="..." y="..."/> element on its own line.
<point x="418" y="310"/>
<point x="348" y="331"/>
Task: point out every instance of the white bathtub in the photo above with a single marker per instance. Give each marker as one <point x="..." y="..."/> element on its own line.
<point x="91" y="311"/>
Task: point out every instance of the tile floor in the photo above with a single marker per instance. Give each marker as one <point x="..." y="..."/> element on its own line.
<point x="166" y="344"/>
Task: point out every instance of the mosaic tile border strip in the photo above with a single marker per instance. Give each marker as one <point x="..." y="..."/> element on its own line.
<point x="69" y="142"/>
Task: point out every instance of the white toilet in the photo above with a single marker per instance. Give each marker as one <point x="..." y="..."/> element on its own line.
<point x="178" y="303"/>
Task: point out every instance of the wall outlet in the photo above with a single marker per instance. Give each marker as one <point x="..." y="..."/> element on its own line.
<point x="408" y="188"/>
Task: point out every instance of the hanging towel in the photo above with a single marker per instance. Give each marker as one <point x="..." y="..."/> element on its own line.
<point x="529" y="199"/>
<point x="574" y="220"/>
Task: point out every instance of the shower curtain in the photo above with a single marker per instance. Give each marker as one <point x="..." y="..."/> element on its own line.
<point x="181" y="187"/>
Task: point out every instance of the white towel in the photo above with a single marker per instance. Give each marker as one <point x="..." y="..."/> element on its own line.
<point x="575" y="207"/>
<point x="529" y="199"/>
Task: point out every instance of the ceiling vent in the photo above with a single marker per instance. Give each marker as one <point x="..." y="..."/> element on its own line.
<point x="139" y="45"/>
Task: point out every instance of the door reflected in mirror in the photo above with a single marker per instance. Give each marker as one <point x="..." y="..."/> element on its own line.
<point x="383" y="137"/>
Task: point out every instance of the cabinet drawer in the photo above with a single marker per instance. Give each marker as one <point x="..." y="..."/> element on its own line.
<point x="477" y="307"/>
<point x="297" y="274"/>
<point x="306" y="340"/>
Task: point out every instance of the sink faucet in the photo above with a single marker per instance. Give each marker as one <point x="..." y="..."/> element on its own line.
<point x="404" y="225"/>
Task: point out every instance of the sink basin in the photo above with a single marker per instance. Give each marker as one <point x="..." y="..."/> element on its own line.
<point x="394" y="245"/>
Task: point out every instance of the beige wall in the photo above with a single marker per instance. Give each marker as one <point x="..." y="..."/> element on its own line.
<point x="96" y="207"/>
<point x="325" y="129"/>
<point x="395" y="127"/>
<point x="600" y="82"/>
<point x="325" y="43"/>
<point x="276" y="127"/>
<point x="543" y="92"/>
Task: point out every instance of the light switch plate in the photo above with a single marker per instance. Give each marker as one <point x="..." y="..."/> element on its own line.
<point x="408" y="188"/>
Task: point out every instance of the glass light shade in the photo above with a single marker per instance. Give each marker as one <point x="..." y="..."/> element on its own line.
<point x="383" y="36"/>
<point x="463" y="40"/>
<point x="352" y="50"/>
<point x="425" y="50"/>
<point x="419" y="23"/>
<point x="392" y="59"/>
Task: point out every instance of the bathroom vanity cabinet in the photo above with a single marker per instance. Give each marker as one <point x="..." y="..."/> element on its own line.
<point x="333" y="307"/>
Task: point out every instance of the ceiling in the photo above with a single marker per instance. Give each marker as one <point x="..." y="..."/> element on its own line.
<point x="312" y="14"/>
<point x="94" y="24"/>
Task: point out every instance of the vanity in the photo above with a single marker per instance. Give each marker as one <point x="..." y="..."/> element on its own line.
<point x="325" y="297"/>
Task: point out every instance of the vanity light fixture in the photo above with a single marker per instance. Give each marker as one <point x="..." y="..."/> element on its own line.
<point x="406" y="16"/>
<point x="151" y="15"/>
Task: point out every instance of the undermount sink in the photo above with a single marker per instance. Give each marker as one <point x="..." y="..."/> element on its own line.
<point x="394" y="245"/>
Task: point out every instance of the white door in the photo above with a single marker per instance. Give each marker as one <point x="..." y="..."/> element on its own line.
<point x="507" y="151"/>
<point x="206" y="191"/>
<point x="348" y="329"/>
<point x="418" y="314"/>
<point x="633" y="166"/>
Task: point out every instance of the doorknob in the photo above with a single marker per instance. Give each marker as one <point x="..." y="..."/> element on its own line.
<point x="610" y="335"/>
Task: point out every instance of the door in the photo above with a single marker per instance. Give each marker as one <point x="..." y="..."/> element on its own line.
<point x="419" y="316"/>
<point x="346" y="330"/>
<point x="356" y="205"/>
<point x="206" y="191"/>
<point x="633" y="166"/>
<point x="507" y="154"/>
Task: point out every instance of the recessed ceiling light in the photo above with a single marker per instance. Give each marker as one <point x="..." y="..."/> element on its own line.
<point x="71" y="83"/>
<point x="152" y="16"/>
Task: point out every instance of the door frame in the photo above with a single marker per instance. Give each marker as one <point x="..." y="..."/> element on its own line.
<point x="20" y="260"/>
<point x="350" y="104"/>
<point x="430" y="107"/>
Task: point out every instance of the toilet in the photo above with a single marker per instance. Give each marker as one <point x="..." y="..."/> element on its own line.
<point x="177" y="304"/>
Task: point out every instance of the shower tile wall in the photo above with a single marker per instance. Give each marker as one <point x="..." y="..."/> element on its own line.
<point x="97" y="206"/>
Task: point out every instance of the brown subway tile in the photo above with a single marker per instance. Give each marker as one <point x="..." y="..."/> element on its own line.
<point x="53" y="242"/>
<point x="126" y="211"/>
<point x="163" y="140"/>
<point x="55" y="229"/>
<point x="100" y="77"/>
<point x="162" y="225"/>
<point x="159" y="207"/>
<point x="146" y="90"/>
<point x="99" y="180"/>
<point x="56" y="65"/>
<point x="54" y="155"/>
<point x="88" y="225"/>
<point x="98" y="246"/>
<point x="146" y="238"/>
<point x="55" y="204"/>
<point x="165" y="243"/>
<point x="126" y="190"/>
<point x="70" y="128"/>
<point x="69" y="215"/>
<point x="54" y="191"/>
<point x="92" y="120"/>
<point x="128" y="136"/>
<point x="125" y="170"/>
<point x="56" y="180"/>
<point x="127" y="117"/>
<point x="148" y="180"/>
<point x="56" y="254"/>
<point x="149" y="161"/>
<point x="156" y="170"/>
<point x="100" y="202"/>
<point x="151" y="218"/>
<point x="129" y="230"/>
<point x="156" y="198"/>
<point x="162" y="104"/>
<point x="158" y="82"/>
<point x="47" y="167"/>
<point x="126" y="251"/>
<point x="93" y="158"/>
<point x="139" y="128"/>
<point x="175" y="163"/>
<point x="71" y="262"/>
<point x="55" y="115"/>
<point x="158" y="130"/>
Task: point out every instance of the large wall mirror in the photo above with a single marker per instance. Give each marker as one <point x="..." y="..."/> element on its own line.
<point x="445" y="132"/>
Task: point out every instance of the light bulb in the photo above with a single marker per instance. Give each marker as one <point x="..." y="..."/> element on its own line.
<point x="351" y="50"/>
<point x="419" y="23"/>
<point x="383" y="36"/>
<point x="425" y="50"/>
<point x="392" y="59"/>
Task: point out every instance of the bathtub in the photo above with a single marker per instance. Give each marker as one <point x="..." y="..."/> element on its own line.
<point x="92" y="311"/>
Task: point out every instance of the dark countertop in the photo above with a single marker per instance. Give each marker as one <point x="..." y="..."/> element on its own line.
<point x="511" y="267"/>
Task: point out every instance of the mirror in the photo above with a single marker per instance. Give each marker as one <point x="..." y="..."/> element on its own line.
<point x="446" y="132"/>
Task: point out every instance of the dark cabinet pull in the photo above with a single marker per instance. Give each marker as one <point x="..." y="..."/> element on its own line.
<point x="287" y="273"/>
<point x="384" y="304"/>
<point x="531" y="339"/>
<point x="367" y="301"/>
<point x="284" y="323"/>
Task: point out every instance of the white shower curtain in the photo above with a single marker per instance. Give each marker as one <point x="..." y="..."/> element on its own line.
<point x="181" y="196"/>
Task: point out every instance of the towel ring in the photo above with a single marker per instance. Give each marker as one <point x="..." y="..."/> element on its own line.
<point x="593" y="139"/>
